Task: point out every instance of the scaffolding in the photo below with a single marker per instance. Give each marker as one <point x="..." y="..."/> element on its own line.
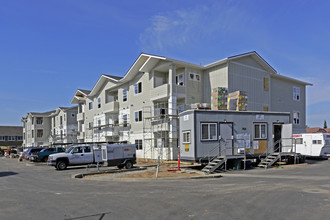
<point x="160" y="130"/>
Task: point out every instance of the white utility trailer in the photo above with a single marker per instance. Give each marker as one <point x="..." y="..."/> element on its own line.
<point x="313" y="144"/>
<point x="119" y="155"/>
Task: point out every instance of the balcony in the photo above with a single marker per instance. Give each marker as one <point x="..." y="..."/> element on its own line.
<point x="80" y="116"/>
<point x="159" y="92"/>
<point x="111" y="107"/>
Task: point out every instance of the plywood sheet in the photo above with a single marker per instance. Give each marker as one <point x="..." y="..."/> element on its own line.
<point x="262" y="147"/>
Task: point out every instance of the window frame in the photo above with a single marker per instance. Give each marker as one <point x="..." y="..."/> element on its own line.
<point x="138" y="144"/>
<point x="180" y="79"/>
<point x="125" y="95"/>
<point x="260" y="124"/>
<point x="99" y="102"/>
<point x="90" y="105"/>
<point x="138" y="88"/>
<point x="296" y="121"/>
<point x="296" y="93"/>
<point x="186" y="139"/>
<point x="138" y="117"/>
<point x="208" y="130"/>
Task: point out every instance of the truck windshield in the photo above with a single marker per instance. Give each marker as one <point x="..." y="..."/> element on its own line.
<point x="68" y="150"/>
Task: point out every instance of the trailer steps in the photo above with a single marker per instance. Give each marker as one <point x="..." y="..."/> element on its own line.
<point x="214" y="164"/>
<point x="270" y="160"/>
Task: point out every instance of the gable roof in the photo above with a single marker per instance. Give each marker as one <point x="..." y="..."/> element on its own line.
<point x="80" y="95"/>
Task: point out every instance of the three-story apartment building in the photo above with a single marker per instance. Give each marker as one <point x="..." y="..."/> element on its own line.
<point x="64" y="125"/>
<point x="36" y="129"/>
<point x="143" y="106"/>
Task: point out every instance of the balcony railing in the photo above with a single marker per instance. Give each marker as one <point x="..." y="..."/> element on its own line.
<point x="112" y="106"/>
<point x="80" y="116"/>
<point x="159" y="92"/>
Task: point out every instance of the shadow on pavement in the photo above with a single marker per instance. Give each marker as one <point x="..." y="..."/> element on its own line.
<point x="2" y="174"/>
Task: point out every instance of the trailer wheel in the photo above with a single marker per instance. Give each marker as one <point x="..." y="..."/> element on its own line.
<point x="129" y="165"/>
<point x="61" y="165"/>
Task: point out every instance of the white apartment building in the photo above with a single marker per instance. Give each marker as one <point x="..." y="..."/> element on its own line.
<point x="64" y="125"/>
<point x="142" y="107"/>
<point x="36" y="129"/>
<point x="50" y="128"/>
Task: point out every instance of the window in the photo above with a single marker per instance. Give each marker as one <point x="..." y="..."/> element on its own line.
<point x="138" y="116"/>
<point x="317" y="141"/>
<point x="124" y="95"/>
<point x="296" y="93"/>
<point x="299" y="141"/>
<point x="99" y="103"/>
<point x="186" y="137"/>
<point x="208" y="131"/>
<point x="296" y="118"/>
<point x="191" y="76"/>
<point x="90" y="105"/>
<point x="99" y="122"/>
<point x="266" y="84"/>
<point x="40" y="133"/>
<point x="260" y="131"/>
<point x="180" y="80"/>
<point x="197" y="77"/>
<point x="61" y="120"/>
<point x="73" y="115"/>
<point x="39" y="121"/>
<point x="138" y="144"/>
<point x="32" y="133"/>
<point x="138" y="88"/>
<point x="87" y="149"/>
<point x="90" y="125"/>
<point x="77" y="150"/>
<point x="181" y="108"/>
<point x="125" y="120"/>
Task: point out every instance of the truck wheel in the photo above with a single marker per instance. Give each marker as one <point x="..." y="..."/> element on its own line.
<point x="120" y="166"/>
<point x="45" y="159"/>
<point x="61" y="165"/>
<point x="129" y="165"/>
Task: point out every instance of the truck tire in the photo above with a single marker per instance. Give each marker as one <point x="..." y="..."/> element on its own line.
<point x="61" y="165"/>
<point x="129" y="165"/>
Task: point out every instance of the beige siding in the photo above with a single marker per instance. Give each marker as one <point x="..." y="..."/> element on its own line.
<point x="214" y="77"/>
<point x="251" y="80"/>
<point x="282" y="101"/>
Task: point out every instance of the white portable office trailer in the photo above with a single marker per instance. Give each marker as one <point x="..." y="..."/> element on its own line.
<point x="313" y="144"/>
<point x="208" y="133"/>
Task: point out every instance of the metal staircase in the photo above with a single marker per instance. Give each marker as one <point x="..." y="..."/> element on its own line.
<point x="270" y="160"/>
<point x="214" y="164"/>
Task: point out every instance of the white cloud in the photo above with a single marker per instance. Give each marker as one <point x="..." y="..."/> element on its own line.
<point x="191" y="25"/>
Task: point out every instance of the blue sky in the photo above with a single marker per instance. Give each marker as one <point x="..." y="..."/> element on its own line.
<point x="49" y="49"/>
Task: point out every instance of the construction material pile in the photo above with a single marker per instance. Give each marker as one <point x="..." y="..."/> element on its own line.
<point x="219" y="98"/>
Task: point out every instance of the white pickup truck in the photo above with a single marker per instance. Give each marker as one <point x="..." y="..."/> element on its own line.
<point x="76" y="155"/>
<point x="120" y="155"/>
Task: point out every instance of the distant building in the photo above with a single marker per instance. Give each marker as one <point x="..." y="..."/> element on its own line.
<point x="11" y="136"/>
<point x="317" y="130"/>
<point x="50" y="128"/>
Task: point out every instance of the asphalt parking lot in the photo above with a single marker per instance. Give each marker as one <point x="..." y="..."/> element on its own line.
<point x="36" y="191"/>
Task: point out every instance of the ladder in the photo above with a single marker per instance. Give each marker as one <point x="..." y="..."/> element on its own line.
<point x="269" y="160"/>
<point x="214" y="164"/>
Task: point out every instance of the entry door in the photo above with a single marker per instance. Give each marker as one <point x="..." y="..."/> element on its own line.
<point x="286" y="136"/>
<point x="226" y="141"/>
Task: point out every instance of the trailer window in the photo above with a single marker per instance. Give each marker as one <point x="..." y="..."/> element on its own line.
<point x="208" y="131"/>
<point x="260" y="131"/>
<point x="299" y="141"/>
<point x="186" y="137"/>
<point x="317" y="141"/>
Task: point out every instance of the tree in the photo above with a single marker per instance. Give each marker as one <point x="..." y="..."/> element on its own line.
<point x="325" y="124"/>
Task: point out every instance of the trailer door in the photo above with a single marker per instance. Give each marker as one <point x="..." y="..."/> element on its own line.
<point x="226" y="141"/>
<point x="286" y="138"/>
<point x="308" y="144"/>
